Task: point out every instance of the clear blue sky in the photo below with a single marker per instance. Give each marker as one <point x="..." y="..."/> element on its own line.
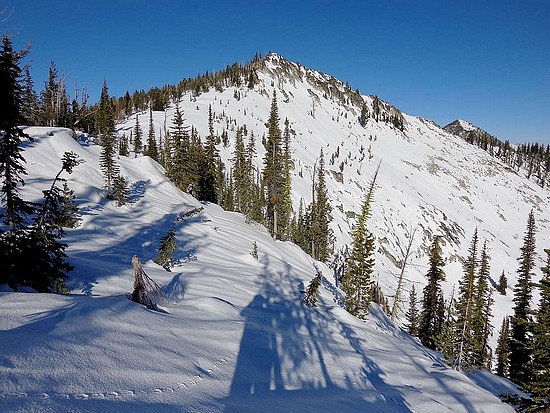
<point x="484" y="61"/>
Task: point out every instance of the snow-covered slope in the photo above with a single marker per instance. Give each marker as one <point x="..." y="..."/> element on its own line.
<point x="430" y="179"/>
<point x="235" y="337"/>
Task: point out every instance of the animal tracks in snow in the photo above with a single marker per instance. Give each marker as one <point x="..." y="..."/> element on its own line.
<point x="181" y="386"/>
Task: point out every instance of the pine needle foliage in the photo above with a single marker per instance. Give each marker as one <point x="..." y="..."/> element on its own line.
<point x="311" y="295"/>
<point x="168" y="246"/>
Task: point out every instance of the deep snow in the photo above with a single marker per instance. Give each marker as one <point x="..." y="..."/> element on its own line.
<point x="235" y="337"/>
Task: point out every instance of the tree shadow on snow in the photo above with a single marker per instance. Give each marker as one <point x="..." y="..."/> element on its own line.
<point x="281" y="364"/>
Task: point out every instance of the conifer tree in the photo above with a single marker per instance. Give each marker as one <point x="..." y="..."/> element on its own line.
<point x="106" y="126"/>
<point x="167" y="248"/>
<point x="30" y="99"/>
<point x="120" y="190"/>
<point x="520" y="345"/>
<point x="502" y="284"/>
<point x="321" y="216"/>
<point x="49" y="97"/>
<point x="179" y="167"/>
<point x="412" y="315"/>
<point x="138" y="134"/>
<point x="482" y="315"/>
<point x="274" y="171"/>
<point x="311" y="295"/>
<point x="15" y="209"/>
<point x="446" y="341"/>
<point x="152" y="150"/>
<point x="123" y="149"/>
<point x="286" y="201"/>
<point x="540" y="365"/>
<point x="357" y="282"/>
<point x="502" y="350"/>
<point x="428" y="328"/>
<point x="466" y="307"/>
<point x="68" y="210"/>
<point x="209" y="190"/>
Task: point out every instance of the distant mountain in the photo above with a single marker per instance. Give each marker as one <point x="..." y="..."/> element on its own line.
<point x="461" y="128"/>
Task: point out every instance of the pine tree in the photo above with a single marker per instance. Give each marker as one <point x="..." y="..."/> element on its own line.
<point x="502" y="284"/>
<point x="152" y="150"/>
<point x="286" y="201"/>
<point x="208" y="188"/>
<point x="167" y="248"/>
<point x="357" y="282"/>
<point x="68" y="217"/>
<point x="412" y="314"/>
<point x="364" y="117"/>
<point x="502" y="350"/>
<point x="123" y="149"/>
<point x="520" y="345"/>
<point x="446" y="341"/>
<point x="120" y="190"/>
<point x="540" y="365"/>
<point x="138" y="134"/>
<point x="428" y="327"/>
<point x="179" y="168"/>
<point x="274" y="170"/>
<point x="311" y="295"/>
<point x="49" y="97"/>
<point x="15" y="209"/>
<point x="106" y="127"/>
<point x="481" y="322"/>
<point x="465" y="307"/>
<point x="30" y="99"/>
<point x="321" y="216"/>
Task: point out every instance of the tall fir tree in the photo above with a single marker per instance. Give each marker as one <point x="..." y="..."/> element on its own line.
<point x="502" y="350"/>
<point x="412" y="314"/>
<point x="123" y="148"/>
<point x="138" y="138"/>
<point x="30" y="99"/>
<point x="539" y="386"/>
<point x="49" y="97"/>
<point x="209" y="162"/>
<point x="152" y="149"/>
<point x="15" y="210"/>
<point x="286" y="202"/>
<point x="357" y="281"/>
<point x="465" y="307"/>
<point x="106" y="126"/>
<point x="520" y="323"/>
<point x="482" y="315"/>
<point x="274" y="171"/>
<point x="429" y="325"/>
<point x="321" y="216"/>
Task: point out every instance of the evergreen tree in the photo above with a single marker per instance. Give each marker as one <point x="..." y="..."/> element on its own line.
<point x="123" y="149"/>
<point x="274" y="171"/>
<point x="179" y="167"/>
<point x="520" y="345"/>
<point x="412" y="314"/>
<point x="364" y="117"/>
<point x="49" y="97"/>
<point x="446" y="341"/>
<point x="15" y="209"/>
<point x="152" y="150"/>
<point x="428" y="327"/>
<point x="167" y="248"/>
<point x="106" y="126"/>
<point x="502" y="350"/>
<point x="286" y="201"/>
<point x="540" y="366"/>
<point x="502" y="284"/>
<point x="482" y="315"/>
<point x="321" y="216"/>
<point x="68" y="210"/>
<point x="138" y="134"/>
<point x="465" y="307"/>
<point x="311" y="295"/>
<point x="120" y="190"/>
<point x="30" y="99"/>
<point x="209" y="190"/>
<point x="357" y="282"/>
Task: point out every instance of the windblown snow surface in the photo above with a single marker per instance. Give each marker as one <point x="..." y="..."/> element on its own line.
<point x="235" y="336"/>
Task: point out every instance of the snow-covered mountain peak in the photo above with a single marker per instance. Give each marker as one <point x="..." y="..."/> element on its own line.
<point x="461" y="127"/>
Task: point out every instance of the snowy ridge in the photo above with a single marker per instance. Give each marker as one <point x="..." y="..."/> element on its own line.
<point x="430" y="179"/>
<point x="235" y="337"/>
